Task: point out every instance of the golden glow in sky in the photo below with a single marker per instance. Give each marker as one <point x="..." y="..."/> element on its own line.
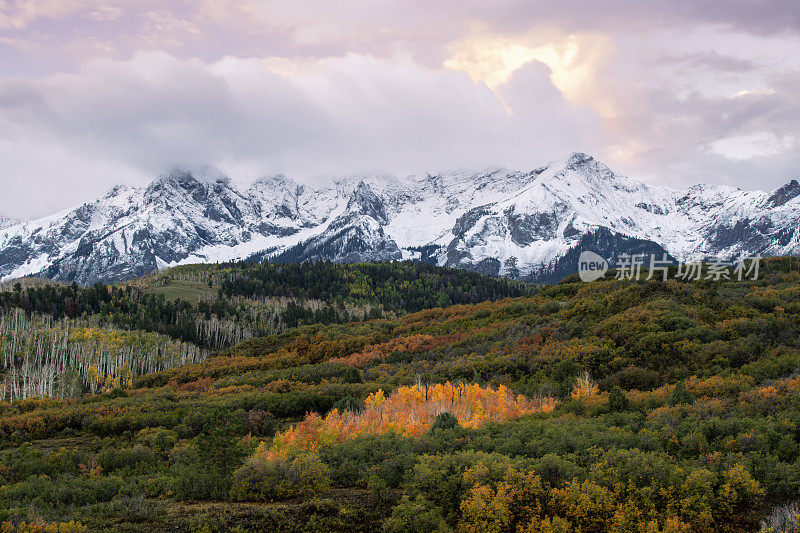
<point x="573" y="61"/>
<point x="494" y="60"/>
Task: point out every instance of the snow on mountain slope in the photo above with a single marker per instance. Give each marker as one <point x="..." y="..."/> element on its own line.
<point x="7" y="222"/>
<point x="569" y="199"/>
<point x="498" y="221"/>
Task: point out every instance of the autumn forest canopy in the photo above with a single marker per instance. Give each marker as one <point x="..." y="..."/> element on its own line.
<point x="400" y="397"/>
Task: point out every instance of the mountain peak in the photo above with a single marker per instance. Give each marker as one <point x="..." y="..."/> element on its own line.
<point x="583" y="164"/>
<point x="579" y="158"/>
<point x="365" y="202"/>
<point x="784" y="194"/>
<point x="577" y="161"/>
<point x="206" y="174"/>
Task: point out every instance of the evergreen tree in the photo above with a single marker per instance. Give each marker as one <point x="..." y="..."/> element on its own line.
<point x="681" y="395"/>
<point x="445" y="420"/>
<point x="617" y="401"/>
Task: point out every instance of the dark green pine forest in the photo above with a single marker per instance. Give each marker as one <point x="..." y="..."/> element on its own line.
<point x="400" y="397"/>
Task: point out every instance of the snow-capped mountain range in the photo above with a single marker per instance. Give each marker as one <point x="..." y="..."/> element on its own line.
<point x="523" y="224"/>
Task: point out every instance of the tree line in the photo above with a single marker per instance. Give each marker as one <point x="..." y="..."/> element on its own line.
<point x="246" y="300"/>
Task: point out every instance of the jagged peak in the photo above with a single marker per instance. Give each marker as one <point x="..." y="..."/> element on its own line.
<point x="579" y="158"/>
<point x="363" y="193"/>
<point x="581" y="171"/>
<point x="784" y="194"/>
<point x="581" y="163"/>
<point x="576" y="161"/>
<point x="363" y="187"/>
<point x="116" y="191"/>
<point x="206" y="174"/>
<point x="364" y="201"/>
<point x="587" y="164"/>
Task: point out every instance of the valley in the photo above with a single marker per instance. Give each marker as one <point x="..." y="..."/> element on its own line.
<point x="659" y="406"/>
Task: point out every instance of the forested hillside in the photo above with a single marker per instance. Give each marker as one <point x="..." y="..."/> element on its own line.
<point x="216" y="306"/>
<point x="621" y="406"/>
<point x="61" y="340"/>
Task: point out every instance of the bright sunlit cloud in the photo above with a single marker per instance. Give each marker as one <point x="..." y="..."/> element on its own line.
<point x="494" y="60"/>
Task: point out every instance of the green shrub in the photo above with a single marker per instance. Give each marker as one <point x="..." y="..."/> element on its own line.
<point x="265" y="479"/>
<point x="617" y="401"/>
<point x="415" y="516"/>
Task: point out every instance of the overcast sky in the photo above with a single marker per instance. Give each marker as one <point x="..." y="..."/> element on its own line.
<point x="94" y="93"/>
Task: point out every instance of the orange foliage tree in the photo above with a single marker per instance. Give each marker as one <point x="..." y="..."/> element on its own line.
<point x="408" y="411"/>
